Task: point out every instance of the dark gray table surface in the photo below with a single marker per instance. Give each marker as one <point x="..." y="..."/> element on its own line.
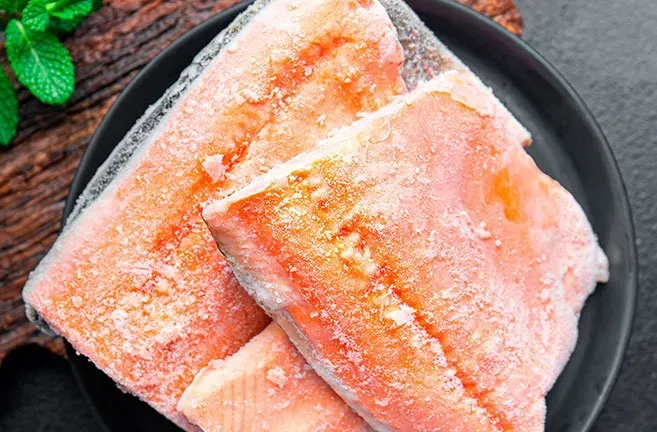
<point x="608" y="50"/>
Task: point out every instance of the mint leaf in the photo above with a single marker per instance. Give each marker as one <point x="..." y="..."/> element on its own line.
<point x="35" y="16"/>
<point x="8" y="109"/>
<point x="12" y="5"/>
<point x="41" y="62"/>
<point x="73" y="9"/>
<point x="59" y="25"/>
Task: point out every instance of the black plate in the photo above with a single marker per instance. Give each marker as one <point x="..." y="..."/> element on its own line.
<point x="568" y="145"/>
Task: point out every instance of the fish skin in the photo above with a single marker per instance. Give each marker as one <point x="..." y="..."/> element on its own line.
<point x="266" y="386"/>
<point x="136" y="282"/>
<point x="421" y="262"/>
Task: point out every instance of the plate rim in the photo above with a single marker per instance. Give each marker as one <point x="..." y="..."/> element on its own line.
<point x="555" y="78"/>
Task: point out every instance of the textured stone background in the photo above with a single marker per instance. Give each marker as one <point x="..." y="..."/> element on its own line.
<point x="608" y="50"/>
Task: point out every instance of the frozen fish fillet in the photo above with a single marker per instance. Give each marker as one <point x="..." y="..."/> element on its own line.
<point x="136" y="282"/>
<point x="266" y="386"/>
<point x="206" y="402"/>
<point x="421" y="262"/>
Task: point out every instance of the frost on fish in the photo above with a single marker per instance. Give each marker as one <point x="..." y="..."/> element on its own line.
<point x="438" y="274"/>
<point x="426" y="56"/>
<point x="136" y="282"/>
<point x="265" y="386"/>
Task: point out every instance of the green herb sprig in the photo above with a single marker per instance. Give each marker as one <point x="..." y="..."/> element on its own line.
<point x="37" y="57"/>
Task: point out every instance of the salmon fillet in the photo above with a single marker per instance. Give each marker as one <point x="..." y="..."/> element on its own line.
<point x="421" y="262"/>
<point x="136" y="282"/>
<point x="266" y="386"/>
<point x="237" y="404"/>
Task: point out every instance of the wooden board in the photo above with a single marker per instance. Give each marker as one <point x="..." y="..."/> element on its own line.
<point x="36" y="172"/>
